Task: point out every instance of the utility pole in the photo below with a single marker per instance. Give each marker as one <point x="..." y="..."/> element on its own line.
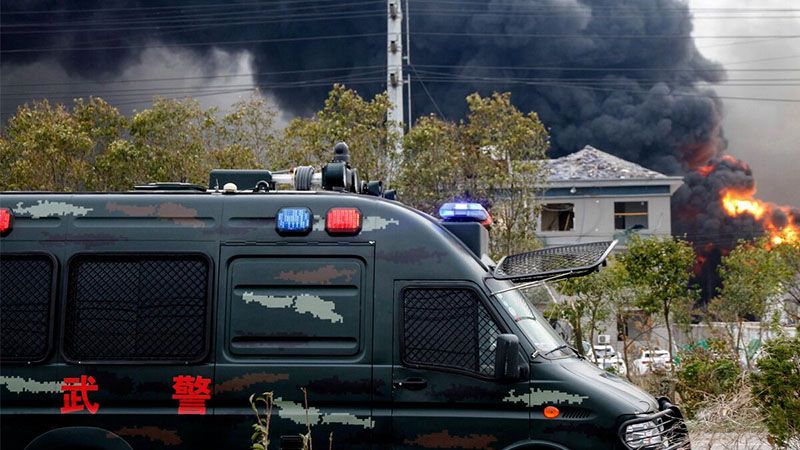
<point x="407" y="20"/>
<point x="394" y="68"/>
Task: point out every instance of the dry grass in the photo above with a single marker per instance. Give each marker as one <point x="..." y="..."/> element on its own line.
<point x="731" y="421"/>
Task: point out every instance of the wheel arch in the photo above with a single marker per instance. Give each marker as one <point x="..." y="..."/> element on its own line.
<point x="84" y="438"/>
<point x="533" y="444"/>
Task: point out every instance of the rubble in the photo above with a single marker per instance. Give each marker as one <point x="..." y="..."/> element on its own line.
<point x="593" y="164"/>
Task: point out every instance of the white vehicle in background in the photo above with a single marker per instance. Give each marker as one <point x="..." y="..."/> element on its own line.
<point x="655" y="359"/>
<point x="605" y="357"/>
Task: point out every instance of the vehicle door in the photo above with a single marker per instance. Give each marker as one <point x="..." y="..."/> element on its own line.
<point x="296" y="326"/>
<point x="133" y="354"/>
<point x="445" y="394"/>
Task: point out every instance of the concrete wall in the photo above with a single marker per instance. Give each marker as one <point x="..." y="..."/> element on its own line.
<point x="594" y="218"/>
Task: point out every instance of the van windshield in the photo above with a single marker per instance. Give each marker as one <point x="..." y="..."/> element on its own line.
<point x="534" y="325"/>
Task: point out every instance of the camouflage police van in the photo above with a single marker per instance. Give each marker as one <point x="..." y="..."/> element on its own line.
<point x="147" y="319"/>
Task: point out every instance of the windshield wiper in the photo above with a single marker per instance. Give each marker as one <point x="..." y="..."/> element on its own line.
<point x="524" y="317"/>
<point x="562" y="347"/>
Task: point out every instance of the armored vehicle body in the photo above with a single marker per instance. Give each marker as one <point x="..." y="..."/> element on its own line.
<point x="146" y="320"/>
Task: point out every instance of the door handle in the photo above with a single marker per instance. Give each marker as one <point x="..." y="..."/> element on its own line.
<point x="412" y="384"/>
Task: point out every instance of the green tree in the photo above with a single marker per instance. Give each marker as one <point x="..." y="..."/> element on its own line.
<point x="776" y="386"/>
<point x="178" y="140"/>
<point x="172" y="138"/>
<point x="706" y="371"/>
<point x="589" y="302"/>
<point x="47" y="147"/>
<point x="347" y="117"/>
<point x="492" y="156"/>
<point x="246" y="136"/>
<point x="752" y="275"/>
<point x="658" y="272"/>
<point x="790" y="253"/>
<point x="430" y="173"/>
<point x="508" y="147"/>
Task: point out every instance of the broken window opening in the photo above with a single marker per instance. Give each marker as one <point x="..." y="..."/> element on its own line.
<point x="558" y="216"/>
<point x="630" y="215"/>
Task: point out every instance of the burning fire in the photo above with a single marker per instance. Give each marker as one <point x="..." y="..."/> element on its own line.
<point x="781" y="223"/>
<point x="737" y="203"/>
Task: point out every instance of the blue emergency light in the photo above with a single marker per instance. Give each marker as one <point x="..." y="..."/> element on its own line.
<point x="463" y="212"/>
<point x="294" y="221"/>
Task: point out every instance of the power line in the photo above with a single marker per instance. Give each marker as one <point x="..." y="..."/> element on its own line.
<point x="611" y="7"/>
<point x="215" y="24"/>
<point x="428" y="93"/>
<point x="595" y="88"/>
<point x="326" y="79"/>
<point x="263" y="3"/>
<point x="162" y="8"/>
<point x="136" y="97"/>
<point x="766" y="82"/>
<point x="605" y="69"/>
<point x="777" y="58"/>
<point x="195" y="44"/>
<point x="202" y="77"/>
<point x="190" y="18"/>
<point x="602" y="36"/>
<point x="534" y="14"/>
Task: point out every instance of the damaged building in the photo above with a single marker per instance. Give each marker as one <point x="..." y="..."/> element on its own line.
<point x="594" y="196"/>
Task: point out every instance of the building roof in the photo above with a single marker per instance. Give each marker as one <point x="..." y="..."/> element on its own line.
<point x="591" y="164"/>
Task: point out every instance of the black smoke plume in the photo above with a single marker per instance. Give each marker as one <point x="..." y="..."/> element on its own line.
<point x="621" y="75"/>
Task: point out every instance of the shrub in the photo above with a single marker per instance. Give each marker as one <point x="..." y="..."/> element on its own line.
<point x="706" y="372"/>
<point x="776" y="387"/>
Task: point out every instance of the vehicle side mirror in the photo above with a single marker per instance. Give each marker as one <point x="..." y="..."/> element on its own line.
<point x="508" y="365"/>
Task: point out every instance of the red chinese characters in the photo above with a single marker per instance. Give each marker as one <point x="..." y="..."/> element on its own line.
<point x="76" y="394"/>
<point x="191" y="393"/>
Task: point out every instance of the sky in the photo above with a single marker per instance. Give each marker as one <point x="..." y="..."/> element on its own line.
<point x="765" y="134"/>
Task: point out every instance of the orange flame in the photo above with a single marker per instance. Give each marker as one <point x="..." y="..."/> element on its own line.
<point x="737" y="203"/>
<point x="706" y="170"/>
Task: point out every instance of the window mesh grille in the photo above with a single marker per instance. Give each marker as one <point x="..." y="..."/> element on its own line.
<point x="129" y="307"/>
<point x="448" y="328"/>
<point x="26" y="283"/>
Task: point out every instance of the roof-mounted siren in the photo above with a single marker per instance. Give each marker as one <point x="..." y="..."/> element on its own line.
<point x="337" y="175"/>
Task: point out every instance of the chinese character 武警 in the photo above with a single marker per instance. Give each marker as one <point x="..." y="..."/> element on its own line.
<point x="76" y="394"/>
<point x="191" y="393"/>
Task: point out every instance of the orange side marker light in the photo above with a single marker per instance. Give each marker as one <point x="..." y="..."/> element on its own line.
<point x="551" y="412"/>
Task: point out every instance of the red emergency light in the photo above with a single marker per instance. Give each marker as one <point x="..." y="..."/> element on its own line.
<point x="343" y="221"/>
<point x="6" y="221"/>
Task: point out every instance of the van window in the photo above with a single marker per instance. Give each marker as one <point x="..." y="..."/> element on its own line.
<point x="26" y="295"/>
<point x="137" y="307"/>
<point x="448" y="328"/>
<point x="292" y="306"/>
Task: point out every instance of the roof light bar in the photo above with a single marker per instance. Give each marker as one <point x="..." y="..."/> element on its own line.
<point x="343" y="221"/>
<point x="6" y="221"/>
<point x="463" y="212"/>
<point x="293" y="221"/>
